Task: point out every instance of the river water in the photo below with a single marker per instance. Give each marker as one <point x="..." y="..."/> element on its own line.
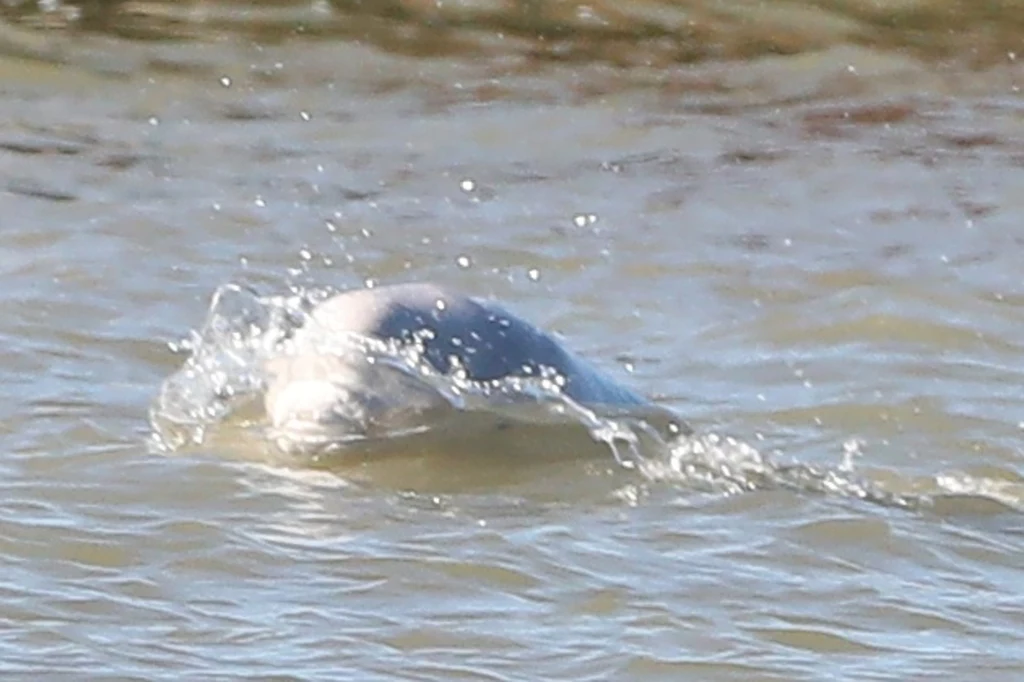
<point x="800" y="229"/>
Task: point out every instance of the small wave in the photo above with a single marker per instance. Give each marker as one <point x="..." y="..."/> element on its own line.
<point x="724" y="465"/>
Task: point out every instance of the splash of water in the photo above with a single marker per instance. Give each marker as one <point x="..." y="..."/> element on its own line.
<point x="224" y="367"/>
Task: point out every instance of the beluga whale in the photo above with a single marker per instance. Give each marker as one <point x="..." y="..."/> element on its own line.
<point x="339" y="382"/>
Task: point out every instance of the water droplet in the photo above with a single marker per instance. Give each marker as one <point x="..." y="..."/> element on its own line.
<point x="851" y="450"/>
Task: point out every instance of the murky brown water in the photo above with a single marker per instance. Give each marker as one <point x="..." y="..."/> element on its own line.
<point x="800" y="226"/>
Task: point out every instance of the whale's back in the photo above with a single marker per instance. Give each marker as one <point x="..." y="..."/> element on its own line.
<point x="320" y="393"/>
<point x="455" y="330"/>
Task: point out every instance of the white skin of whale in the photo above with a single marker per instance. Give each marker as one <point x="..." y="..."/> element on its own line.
<point x="317" y="394"/>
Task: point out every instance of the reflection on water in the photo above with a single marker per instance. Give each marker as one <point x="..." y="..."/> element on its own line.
<point x="795" y="225"/>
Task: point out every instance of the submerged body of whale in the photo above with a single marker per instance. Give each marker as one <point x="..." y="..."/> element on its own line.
<point x="326" y="391"/>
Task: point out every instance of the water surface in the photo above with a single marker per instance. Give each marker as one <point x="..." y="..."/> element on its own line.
<point x="811" y="253"/>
